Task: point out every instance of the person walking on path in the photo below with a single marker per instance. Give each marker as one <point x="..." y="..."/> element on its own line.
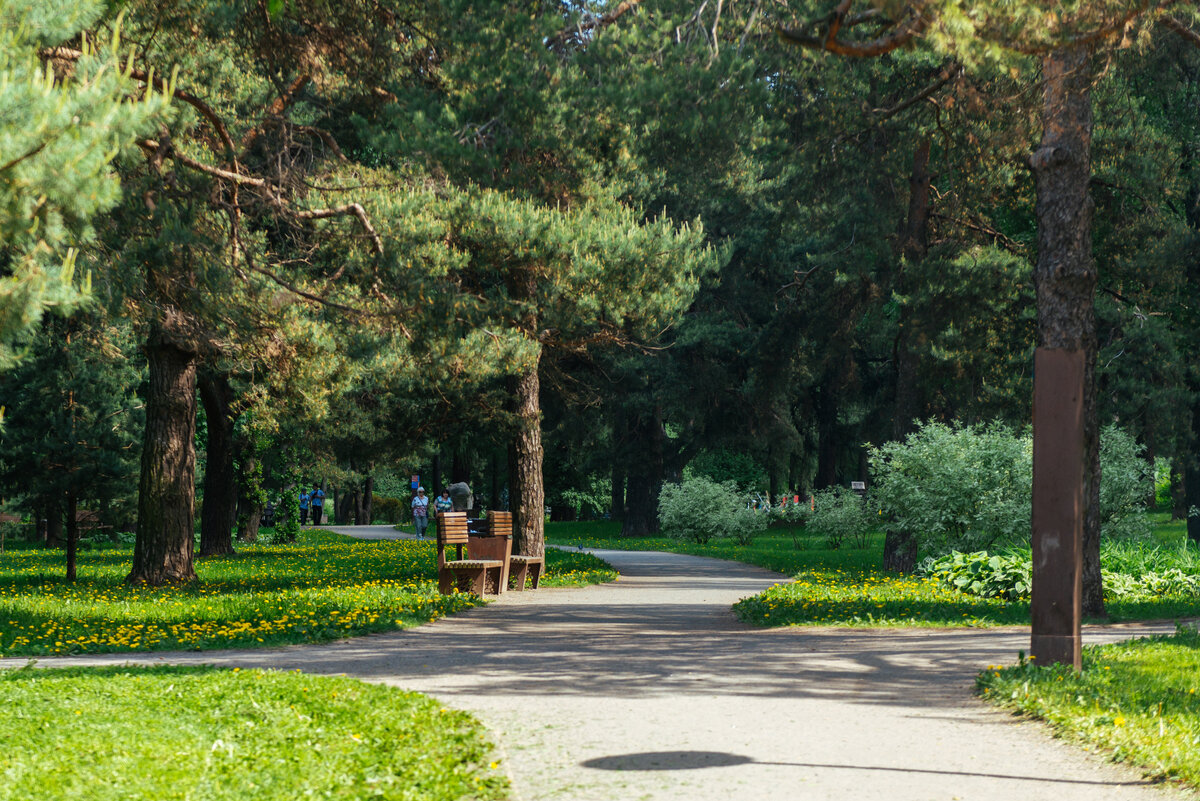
<point x="317" y="499"/>
<point x="443" y="502"/>
<point x="420" y="511"/>
<point x="303" y="508"/>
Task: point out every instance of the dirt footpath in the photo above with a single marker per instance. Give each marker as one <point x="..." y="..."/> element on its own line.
<point x="648" y="688"/>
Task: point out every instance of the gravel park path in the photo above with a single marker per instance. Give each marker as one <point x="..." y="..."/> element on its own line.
<point x="649" y="688"/>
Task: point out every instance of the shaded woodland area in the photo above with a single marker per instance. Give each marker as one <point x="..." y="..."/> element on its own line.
<point x="570" y="252"/>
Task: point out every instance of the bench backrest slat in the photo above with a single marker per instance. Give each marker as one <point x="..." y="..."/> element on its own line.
<point x="452" y="528"/>
<point x="500" y="523"/>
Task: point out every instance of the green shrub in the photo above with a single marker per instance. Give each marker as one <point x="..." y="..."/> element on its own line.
<point x="955" y="487"/>
<point x="839" y="516"/>
<point x="389" y="509"/>
<point x="699" y="509"/>
<point x="968" y="488"/>
<point x="1125" y="483"/>
<point x="1003" y="575"/>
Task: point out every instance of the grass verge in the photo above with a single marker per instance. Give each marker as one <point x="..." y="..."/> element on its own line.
<point x="215" y="735"/>
<point x="846" y="586"/>
<point x="1137" y="701"/>
<point x="320" y="588"/>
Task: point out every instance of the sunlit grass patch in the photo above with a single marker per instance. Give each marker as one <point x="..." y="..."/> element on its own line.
<point x="320" y="588"/>
<point x="216" y="735"/>
<point x="1138" y="701"/>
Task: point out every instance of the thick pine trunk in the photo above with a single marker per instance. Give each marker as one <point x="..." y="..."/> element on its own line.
<point x="645" y="469"/>
<point x="618" y="491"/>
<point x="218" y="512"/>
<point x="166" y="492"/>
<point x="1190" y="467"/>
<point x="433" y="484"/>
<point x="459" y="470"/>
<point x="368" y="500"/>
<point x="250" y="493"/>
<point x="525" y="467"/>
<point x="494" y="480"/>
<point x="1064" y="403"/>
<point x="912" y="245"/>
<point x="54" y="524"/>
<point x="1179" y="505"/>
<point x="826" y="439"/>
<point x="72" y="532"/>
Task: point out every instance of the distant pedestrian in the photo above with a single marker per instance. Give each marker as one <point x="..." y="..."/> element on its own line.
<point x="443" y="502"/>
<point x="303" y="508"/>
<point x="420" y="511"/>
<point x="317" y="500"/>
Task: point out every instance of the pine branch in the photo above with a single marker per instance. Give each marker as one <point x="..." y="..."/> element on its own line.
<point x="904" y="33"/>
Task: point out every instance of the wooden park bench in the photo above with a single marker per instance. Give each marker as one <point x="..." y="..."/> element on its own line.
<point x="520" y="566"/>
<point x="462" y="573"/>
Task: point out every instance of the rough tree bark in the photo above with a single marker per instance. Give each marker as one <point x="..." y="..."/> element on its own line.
<point x="645" y="470"/>
<point x="54" y="524"/>
<point x="525" y="467"/>
<point x="900" y="547"/>
<point x="617" y="501"/>
<point x="166" y="491"/>
<point x="367" y="501"/>
<point x="218" y="512"/>
<point x="1065" y="280"/>
<point x="826" y="412"/>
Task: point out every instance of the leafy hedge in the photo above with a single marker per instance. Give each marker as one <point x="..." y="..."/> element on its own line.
<point x="1008" y="575"/>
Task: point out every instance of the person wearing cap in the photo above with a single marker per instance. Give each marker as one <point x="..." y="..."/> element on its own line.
<point x="420" y="512"/>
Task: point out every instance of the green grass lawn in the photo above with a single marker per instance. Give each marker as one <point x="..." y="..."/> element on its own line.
<point x="116" y="734"/>
<point x="322" y="587"/>
<point x="1137" y="701"/>
<point x="847" y="587"/>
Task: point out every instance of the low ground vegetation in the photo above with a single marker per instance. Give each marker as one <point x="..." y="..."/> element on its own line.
<point x="232" y="734"/>
<point x="846" y="587"/>
<point x="319" y="588"/>
<point x="1137" y="701"/>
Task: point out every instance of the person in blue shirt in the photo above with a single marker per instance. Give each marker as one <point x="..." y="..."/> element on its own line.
<point x="317" y="500"/>
<point x="303" y="508"/>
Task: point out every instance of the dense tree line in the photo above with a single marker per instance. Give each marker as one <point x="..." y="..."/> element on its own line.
<point x="567" y="253"/>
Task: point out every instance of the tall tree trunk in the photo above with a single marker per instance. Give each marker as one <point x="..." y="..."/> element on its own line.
<point x="54" y="524"/>
<point x="827" y="414"/>
<point x="1190" y="465"/>
<point x="645" y="470"/>
<point x="72" y="532"/>
<point x="618" y="490"/>
<point x="435" y="480"/>
<point x="459" y="469"/>
<point x="250" y="504"/>
<point x="218" y="512"/>
<point x="494" y="478"/>
<point x="525" y="467"/>
<point x="1179" y="505"/>
<point x="1064" y="436"/>
<point x="162" y="552"/>
<point x="912" y="245"/>
<point x="368" y="499"/>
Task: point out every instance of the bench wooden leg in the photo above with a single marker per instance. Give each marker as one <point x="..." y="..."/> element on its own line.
<point x="516" y="578"/>
<point x="536" y="573"/>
